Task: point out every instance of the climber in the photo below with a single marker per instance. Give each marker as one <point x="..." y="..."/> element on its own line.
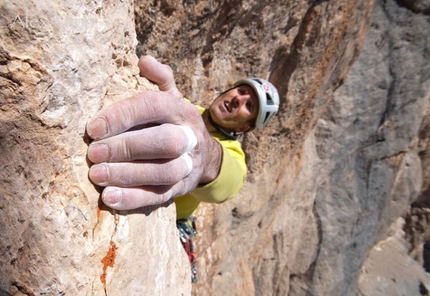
<point x="259" y="102"/>
<point x="156" y="146"/>
<point x="182" y="152"/>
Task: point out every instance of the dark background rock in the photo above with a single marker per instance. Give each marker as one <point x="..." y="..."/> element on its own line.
<point x="341" y="163"/>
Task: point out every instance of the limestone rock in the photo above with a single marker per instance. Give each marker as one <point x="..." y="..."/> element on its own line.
<point x="344" y="159"/>
<point x="59" y="63"/>
<point x="389" y="270"/>
<point x="330" y="181"/>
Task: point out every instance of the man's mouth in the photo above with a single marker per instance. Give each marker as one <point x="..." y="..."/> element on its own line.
<point x="227" y="106"/>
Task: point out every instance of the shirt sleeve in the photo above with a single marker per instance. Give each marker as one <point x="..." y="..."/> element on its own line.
<point x="230" y="178"/>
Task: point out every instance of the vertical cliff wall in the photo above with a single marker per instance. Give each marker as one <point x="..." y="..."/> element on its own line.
<point x="327" y="199"/>
<point x="60" y="62"/>
<point x="345" y="158"/>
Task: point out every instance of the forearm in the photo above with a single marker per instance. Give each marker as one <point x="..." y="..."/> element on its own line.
<point x="229" y="181"/>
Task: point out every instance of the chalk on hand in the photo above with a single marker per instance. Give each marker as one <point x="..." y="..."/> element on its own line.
<point x="191" y="137"/>
<point x="188" y="162"/>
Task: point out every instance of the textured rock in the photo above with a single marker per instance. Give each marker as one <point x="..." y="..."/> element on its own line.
<point x="418" y="6"/>
<point x="59" y="63"/>
<point x="389" y="270"/>
<point x="402" y="38"/>
<point x="345" y="158"/>
<point x="330" y="180"/>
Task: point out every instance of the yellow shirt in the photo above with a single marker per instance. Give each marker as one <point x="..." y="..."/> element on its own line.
<point x="226" y="186"/>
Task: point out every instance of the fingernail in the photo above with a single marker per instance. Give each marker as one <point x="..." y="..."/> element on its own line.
<point x="98" y="152"/>
<point x="188" y="163"/>
<point x="191" y="138"/>
<point x="97" y="128"/>
<point x="99" y="174"/>
<point x="112" y="196"/>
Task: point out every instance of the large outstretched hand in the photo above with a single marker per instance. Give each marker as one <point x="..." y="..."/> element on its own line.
<point x="141" y="166"/>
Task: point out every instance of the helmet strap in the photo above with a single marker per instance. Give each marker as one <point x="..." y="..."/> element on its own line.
<point x="233" y="136"/>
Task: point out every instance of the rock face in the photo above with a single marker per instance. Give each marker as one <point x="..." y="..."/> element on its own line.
<point x="60" y="63"/>
<point x="327" y="201"/>
<point x="338" y="171"/>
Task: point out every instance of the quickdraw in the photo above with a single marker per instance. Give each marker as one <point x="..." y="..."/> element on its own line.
<point x="187" y="231"/>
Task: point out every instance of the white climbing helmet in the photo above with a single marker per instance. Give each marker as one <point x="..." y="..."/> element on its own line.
<point x="268" y="98"/>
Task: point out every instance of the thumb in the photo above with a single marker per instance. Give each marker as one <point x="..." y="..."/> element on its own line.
<point x="158" y="73"/>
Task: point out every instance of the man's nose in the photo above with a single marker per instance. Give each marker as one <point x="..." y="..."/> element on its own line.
<point x="239" y="101"/>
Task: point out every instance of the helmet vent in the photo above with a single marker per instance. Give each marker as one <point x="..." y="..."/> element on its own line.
<point x="269" y="100"/>
<point x="267" y="117"/>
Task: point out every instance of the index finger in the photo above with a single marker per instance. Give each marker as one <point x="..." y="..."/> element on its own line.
<point x="147" y="107"/>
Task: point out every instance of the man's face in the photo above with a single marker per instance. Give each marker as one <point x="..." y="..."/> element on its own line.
<point x="236" y="109"/>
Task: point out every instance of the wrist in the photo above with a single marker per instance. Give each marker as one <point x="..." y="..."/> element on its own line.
<point x="213" y="163"/>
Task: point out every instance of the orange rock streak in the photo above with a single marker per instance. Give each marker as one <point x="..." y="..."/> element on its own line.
<point x="108" y="261"/>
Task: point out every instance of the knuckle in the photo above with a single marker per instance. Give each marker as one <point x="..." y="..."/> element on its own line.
<point x="191" y="111"/>
<point x="174" y="176"/>
<point x="127" y="152"/>
<point x="175" y="141"/>
<point x="120" y="150"/>
<point x="164" y="197"/>
<point x="174" y="172"/>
